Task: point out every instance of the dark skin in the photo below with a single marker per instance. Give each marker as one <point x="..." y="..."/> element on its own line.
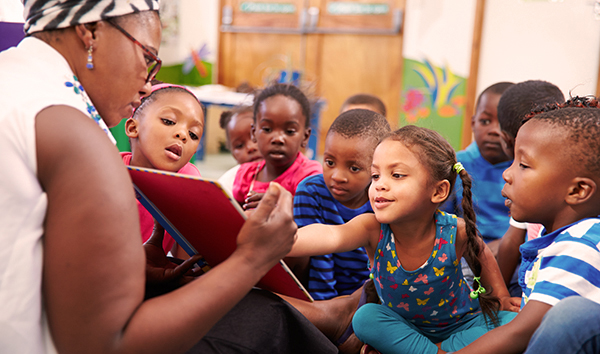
<point x="508" y="252"/>
<point x="539" y="164"/>
<point x="92" y="220"/>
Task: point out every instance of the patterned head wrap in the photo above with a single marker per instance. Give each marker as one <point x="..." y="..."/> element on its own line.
<point x="42" y="15"/>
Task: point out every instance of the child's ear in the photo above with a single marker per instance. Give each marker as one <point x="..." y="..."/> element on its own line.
<point x="508" y="144"/>
<point x="441" y="191"/>
<point x="131" y="128"/>
<point x="253" y="133"/>
<point x="307" y="132"/>
<point x="581" y="190"/>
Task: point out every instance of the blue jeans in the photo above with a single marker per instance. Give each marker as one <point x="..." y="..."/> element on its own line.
<point x="569" y="327"/>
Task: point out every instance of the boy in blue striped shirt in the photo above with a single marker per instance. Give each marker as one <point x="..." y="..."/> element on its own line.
<point x="338" y="195"/>
<point x="554" y="180"/>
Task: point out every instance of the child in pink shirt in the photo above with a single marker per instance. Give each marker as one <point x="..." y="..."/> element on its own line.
<point x="281" y="129"/>
<point x="164" y="133"/>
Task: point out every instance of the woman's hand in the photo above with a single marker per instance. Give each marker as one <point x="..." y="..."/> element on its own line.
<point x="270" y="231"/>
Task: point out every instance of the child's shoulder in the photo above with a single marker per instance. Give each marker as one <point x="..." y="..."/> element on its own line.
<point x="250" y="168"/>
<point x="313" y="185"/>
<point x="313" y="181"/>
<point x="585" y="231"/>
<point x="189" y="169"/>
<point x="444" y="218"/>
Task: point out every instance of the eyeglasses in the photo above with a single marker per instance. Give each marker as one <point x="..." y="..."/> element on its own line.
<point x="152" y="61"/>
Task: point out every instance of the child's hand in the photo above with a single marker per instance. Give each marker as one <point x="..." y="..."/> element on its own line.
<point x="159" y="270"/>
<point x="510" y="304"/>
<point x="252" y="200"/>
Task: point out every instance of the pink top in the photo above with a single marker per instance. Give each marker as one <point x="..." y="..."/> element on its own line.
<point x="146" y="220"/>
<point x="246" y="175"/>
<point x="533" y="231"/>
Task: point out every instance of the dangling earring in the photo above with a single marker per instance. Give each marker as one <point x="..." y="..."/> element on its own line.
<point x="90" y="63"/>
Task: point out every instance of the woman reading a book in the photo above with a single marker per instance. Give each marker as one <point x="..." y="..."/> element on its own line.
<point x="72" y="266"/>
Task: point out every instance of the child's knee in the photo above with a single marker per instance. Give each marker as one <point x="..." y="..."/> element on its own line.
<point x="365" y="320"/>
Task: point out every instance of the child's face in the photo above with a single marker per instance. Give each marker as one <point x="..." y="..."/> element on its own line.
<point x="347" y="169"/>
<point x="242" y="147"/>
<point x="537" y="182"/>
<point x="280" y="130"/>
<point x="487" y="130"/>
<point x="400" y="187"/>
<point x="167" y="133"/>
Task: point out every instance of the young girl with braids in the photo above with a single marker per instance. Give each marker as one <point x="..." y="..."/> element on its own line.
<point x="415" y="249"/>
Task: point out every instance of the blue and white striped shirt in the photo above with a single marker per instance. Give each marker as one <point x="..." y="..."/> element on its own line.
<point x="338" y="273"/>
<point x="563" y="263"/>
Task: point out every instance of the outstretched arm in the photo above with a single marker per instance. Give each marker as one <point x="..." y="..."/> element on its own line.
<point x="319" y="239"/>
<point x="94" y="265"/>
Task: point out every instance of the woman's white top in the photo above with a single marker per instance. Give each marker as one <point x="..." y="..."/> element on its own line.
<point x="33" y="76"/>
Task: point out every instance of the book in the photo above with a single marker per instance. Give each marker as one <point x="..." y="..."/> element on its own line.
<point x="204" y="219"/>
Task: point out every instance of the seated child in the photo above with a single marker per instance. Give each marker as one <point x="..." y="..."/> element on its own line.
<point x="164" y="133"/>
<point x="237" y="124"/>
<point x="364" y="101"/>
<point x="281" y="128"/>
<point x="485" y="160"/>
<point x="553" y="181"/>
<point x="514" y="105"/>
<point x="338" y="195"/>
<point x="415" y="251"/>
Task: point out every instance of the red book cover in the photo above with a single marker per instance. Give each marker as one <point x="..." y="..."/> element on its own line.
<point x="203" y="219"/>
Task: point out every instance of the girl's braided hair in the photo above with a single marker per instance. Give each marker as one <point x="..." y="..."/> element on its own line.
<point x="438" y="156"/>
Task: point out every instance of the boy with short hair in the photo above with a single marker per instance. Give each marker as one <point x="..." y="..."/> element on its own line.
<point x="515" y="104"/>
<point x="364" y="101"/>
<point x="338" y="195"/>
<point x="485" y="161"/>
<point x="553" y="181"/>
<point x="519" y="101"/>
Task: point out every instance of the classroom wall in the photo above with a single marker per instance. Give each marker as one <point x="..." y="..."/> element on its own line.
<point x="556" y="41"/>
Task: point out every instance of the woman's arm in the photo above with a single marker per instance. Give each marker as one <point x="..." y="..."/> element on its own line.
<point x="319" y="239"/>
<point x="94" y="268"/>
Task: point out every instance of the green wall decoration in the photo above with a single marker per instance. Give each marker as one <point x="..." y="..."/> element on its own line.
<point x="433" y="97"/>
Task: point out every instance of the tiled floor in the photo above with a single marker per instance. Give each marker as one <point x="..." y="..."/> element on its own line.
<point x="214" y="165"/>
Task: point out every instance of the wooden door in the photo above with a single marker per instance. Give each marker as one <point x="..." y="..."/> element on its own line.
<point x="340" y="47"/>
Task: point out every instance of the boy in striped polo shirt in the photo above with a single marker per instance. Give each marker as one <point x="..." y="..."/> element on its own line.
<point x="554" y="181"/>
<point x="338" y="195"/>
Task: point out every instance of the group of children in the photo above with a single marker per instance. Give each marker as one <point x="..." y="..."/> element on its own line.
<point x="383" y="206"/>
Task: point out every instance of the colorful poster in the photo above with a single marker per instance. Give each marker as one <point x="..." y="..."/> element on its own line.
<point x="436" y="60"/>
